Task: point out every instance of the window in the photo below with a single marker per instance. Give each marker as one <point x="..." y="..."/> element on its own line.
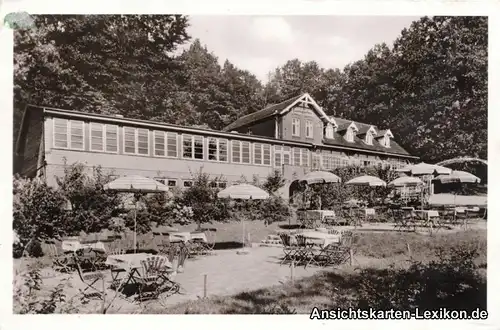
<point x="236" y="151"/>
<point x="159" y="143"/>
<point x="240" y="152"/>
<point x="369" y="138"/>
<point x="316" y="161"/>
<point x="76" y="137"/>
<point x="257" y="154"/>
<point x="171" y="144"/>
<point x="295" y="127"/>
<point x="286" y="156"/>
<point x="261" y="154"/>
<point x="305" y="157"/>
<point x="327" y="160"/>
<point x="111" y="134"/>
<point x="188" y="183"/>
<point x="160" y="180"/>
<point x="386" y="141"/>
<point x="136" y="141"/>
<point x="245" y="152"/>
<point x="217" y="149"/>
<point x="192" y="147"/>
<point x="172" y="183"/>
<point x="143" y="141"/>
<point x="278" y="156"/>
<point x="309" y="129"/>
<point x="222" y="185"/>
<point x="329" y="131"/>
<point x="296" y="156"/>
<point x="60" y="133"/>
<point x="213" y="184"/>
<point x="266" y="148"/>
<point x="68" y="134"/>
<point x="349" y="136"/>
<point x="96" y="137"/>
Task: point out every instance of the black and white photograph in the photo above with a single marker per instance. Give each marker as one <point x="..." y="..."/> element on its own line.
<point x="331" y="166"/>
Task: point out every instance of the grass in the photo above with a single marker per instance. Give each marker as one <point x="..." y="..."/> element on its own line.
<point x="354" y="287"/>
<point x="330" y="289"/>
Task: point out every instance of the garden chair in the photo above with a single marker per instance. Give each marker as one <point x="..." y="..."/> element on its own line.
<point x="462" y="218"/>
<point x="207" y="248"/>
<point x="402" y="219"/>
<point x="305" y="250"/>
<point x="337" y="254"/>
<point x="115" y="270"/>
<point x="289" y="250"/>
<point x="60" y="262"/>
<point x="154" y="278"/>
<point x="90" y="280"/>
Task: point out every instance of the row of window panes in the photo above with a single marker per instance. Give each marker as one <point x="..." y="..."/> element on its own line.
<point x="189" y="183"/>
<point x="104" y="137"/>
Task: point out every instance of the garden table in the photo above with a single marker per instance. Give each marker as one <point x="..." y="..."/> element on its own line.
<point x="73" y="246"/>
<point x="187" y="236"/>
<point x="130" y="263"/>
<point x="427" y="214"/>
<point x="321" y="238"/>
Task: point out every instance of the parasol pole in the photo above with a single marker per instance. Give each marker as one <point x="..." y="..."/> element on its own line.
<point x="135" y="228"/>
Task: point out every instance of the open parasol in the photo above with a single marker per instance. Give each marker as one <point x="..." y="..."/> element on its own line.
<point x="138" y="185"/>
<point x="243" y="191"/>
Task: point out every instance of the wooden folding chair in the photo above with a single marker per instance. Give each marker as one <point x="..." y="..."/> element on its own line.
<point x="90" y="279"/>
<point x="154" y="277"/>
<point x="60" y="262"/>
<point x="288" y="249"/>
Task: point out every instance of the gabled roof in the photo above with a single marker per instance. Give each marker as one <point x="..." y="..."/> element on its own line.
<point x="365" y="129"/>
<point x="339" y="140"/>
<point x="275" y="109"/>
<point x="383" y="133"/>
<point x="345" y="126"/>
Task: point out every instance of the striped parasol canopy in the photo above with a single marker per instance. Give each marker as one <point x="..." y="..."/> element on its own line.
<point x="458" y="177"/>
<point x="136" y="183"/>
<point x="366" y="180"/>
<point x="320" y="177"/>
<point x="424" y="169"/>
<point x="406" y="181"/>
<point x="243" y="191"/>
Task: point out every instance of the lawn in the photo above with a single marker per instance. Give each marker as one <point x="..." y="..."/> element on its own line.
<point x="396" y="281"/>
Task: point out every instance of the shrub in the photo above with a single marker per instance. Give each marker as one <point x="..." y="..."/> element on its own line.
<point x="37" y="213"/>
<point x="91" y="206"/>
<point x="451" y="281"/>
<point x="202" y="198"/>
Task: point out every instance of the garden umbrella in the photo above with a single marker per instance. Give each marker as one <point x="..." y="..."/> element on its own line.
<point x="424" y="169"/>
<point x="320" y="177"/>
<point x="458" y="177"/>
<point x="408" y="181"/>
<point x="243" y="191"/>
<point x="138" y="185"/>
<point x="366" y="181"/>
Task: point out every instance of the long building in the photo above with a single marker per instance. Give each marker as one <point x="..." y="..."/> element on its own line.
<point x="295" y="137"/>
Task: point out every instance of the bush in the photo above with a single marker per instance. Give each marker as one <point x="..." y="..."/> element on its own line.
<point x="37" y="213"/>
<point x="451" y="281"/>
<point x="91" y="206"/>
<point x="202" y="198"/>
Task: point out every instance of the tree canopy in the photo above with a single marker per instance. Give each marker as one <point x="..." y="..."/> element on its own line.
<point x="429" y="87"/>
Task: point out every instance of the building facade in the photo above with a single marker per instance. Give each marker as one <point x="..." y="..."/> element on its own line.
<point x="294" y="137"/>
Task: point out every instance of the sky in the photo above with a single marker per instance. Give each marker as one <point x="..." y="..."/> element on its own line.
<point x="259" y="44"/>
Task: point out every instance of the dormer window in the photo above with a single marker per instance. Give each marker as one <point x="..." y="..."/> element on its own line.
<point x="349" y="136"/>
<point x="329" y="131"/>
<point x="369" y="138"/>
<point x="386" y="141"/>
